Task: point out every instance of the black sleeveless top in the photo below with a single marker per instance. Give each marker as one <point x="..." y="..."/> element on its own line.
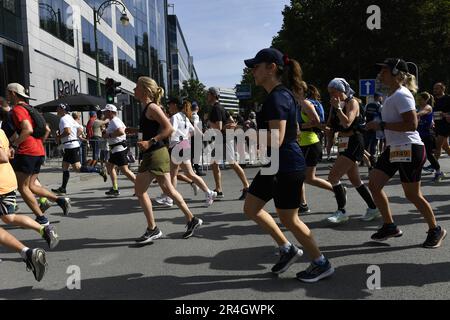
<point x="150" y="129"/>
<point x="336" y="123"/>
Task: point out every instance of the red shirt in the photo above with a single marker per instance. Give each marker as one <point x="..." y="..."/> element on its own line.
<point x="31" y="146"/>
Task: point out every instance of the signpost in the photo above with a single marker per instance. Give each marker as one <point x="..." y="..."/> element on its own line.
<point x="243" y="91"/>
<point x="367" y="87"/>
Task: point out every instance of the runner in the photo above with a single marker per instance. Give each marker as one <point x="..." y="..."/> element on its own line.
<point x="69" y="131"/>
<point x="117" y="141"/>
<point x="28" y="155"/>
<point x="154" y="128"/>
<point x="279" y="113"/>
<point x="180" y="139"/>
<point x="405" y="153"/>
<point x="346" y="120"/>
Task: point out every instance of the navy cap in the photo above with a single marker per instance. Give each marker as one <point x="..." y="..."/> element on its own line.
<point x="395" y="63"/>
<point x="268" y="55"/>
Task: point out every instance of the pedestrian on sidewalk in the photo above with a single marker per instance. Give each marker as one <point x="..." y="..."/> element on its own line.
<point x="405" y="153"/>
<point x="277" y="73"/>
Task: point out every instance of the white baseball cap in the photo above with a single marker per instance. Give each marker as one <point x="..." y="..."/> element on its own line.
<point x="110" y="107"/>
<point x="17" y="88"/>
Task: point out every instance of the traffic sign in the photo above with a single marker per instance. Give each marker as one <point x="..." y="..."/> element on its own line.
<point x="367" y="87"/>
<point x="243" y="91"/>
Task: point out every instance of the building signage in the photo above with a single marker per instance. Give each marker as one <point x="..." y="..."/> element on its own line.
<point x="65" y="88"/>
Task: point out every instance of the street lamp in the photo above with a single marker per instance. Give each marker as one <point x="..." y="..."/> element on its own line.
<point x="98" y="13"/>
<point x="417" y="71"/>
<point x="55" y="15"/>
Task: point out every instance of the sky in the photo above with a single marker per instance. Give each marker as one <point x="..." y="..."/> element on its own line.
<point x="221" y="34"/>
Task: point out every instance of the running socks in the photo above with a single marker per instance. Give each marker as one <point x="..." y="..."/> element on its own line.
<point x="341" y="197"/>
<point x="365" y="194"/>
<point x="66" y="177"/>
<point x="23" y="253"/>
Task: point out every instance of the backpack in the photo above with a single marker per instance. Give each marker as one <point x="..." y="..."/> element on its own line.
<point x="40" y="125"/>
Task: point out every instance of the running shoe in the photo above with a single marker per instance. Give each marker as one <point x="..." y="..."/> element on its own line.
<point x="193" y="225"/>
<point x="316" y="272"/>
<point x="287" y="259"/>
<point x="149" y="236"/>
<point x="210" y="199"/>
<point x="36" y="262"/>
<point x="435" y="238"/>
<point x="44" y="204"/>
<point x="60" y="191"/>
<point x="244" y="194"/>
<point x="112" y="193"/>
<point x="371" y="214"/>
<point x="65" y="205"/>
<point x="220" y="195"/>
<point x="338" y="217"/>
<point x="386" y="232"/>
<point x="438" y="177"/>
<point x="51" y="236"/>
<point x="304" y="209"/>
<point x="104" y="174"/>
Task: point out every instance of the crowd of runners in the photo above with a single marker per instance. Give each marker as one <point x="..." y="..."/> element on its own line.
<point x="397" y="132"/>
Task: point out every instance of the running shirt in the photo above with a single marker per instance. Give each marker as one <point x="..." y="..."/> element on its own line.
<point x="31" y="146"/>
<point x="8" y="181"/>
<point x="183" y="129"/>
<point x="307" y="138"/>
<point x="281" y="105"/>
<point x="150" y="129"/>
<point x="114" y="125"/>
<point x="71" y="141"/>
<point x="425" y="125"/>
<point x="402" y="101"/>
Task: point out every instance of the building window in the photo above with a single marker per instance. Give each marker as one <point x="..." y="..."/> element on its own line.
<point x="53" y="18"/>
<point x="10" y="20"/>
<point x="105" y="46"/>
<point x="126" y="32"/>
<point x="10" y="5"/>
<point x="127" y="65"/>
<point x="107" y="13"/>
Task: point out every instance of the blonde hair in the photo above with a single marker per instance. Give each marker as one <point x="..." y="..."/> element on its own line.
<point x="409" y="81"/>
<point x="151" y="88"/>
<point x="428" y="98"/>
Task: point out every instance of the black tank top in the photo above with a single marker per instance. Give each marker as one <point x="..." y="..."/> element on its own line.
<point x="336" y="124"/>
<point x="150" y="129"/>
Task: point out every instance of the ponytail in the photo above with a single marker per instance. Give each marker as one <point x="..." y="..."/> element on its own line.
<point x="428" y="98"/>
<point x="153" y="91"/>
<point x="292" y="76"/>
<point x="409" y="81"/>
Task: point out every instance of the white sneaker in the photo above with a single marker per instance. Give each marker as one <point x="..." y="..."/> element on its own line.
<point x="210" y="199"/>
<point x="338" y="217"/>
<point x="161" y="199"/>
<point x="371" y="215"/>
<point x="168" y="202"/>
<point x="195" y="188"/>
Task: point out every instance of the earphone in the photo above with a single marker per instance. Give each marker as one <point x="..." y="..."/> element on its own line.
<point x="395" y="71"/>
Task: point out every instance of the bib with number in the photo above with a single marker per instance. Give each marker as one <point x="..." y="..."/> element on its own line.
<point x="401" y="154"/>
<point x="343" y="143"/>
<point x="438" y="115"/>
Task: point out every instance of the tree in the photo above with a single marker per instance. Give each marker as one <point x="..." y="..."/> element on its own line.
<point x="194" y="90"/>
<point x="330" y="38"/>
<point x="258" y="93"/>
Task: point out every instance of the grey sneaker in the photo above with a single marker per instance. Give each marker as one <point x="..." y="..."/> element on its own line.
<point x="435" y="238"/>
<point x="104" y="174"/>
<point x="64" y="203"/>
<point x="37" y="263"/>
<point x="51" y="236"/>
<point x="287" y="259"/>
<point x="316" y="272"/>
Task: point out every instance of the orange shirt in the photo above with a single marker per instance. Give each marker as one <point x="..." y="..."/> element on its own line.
<point x="8" y="180"/>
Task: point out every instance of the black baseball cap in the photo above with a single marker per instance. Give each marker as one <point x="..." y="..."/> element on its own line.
<point x="268" y="55"/>
<point x="395" y="63"/>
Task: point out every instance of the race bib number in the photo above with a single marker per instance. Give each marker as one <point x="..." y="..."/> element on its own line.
<point x="401" y="154"/>
<point x="438" y="115"/>
<point x="343" y="144"/>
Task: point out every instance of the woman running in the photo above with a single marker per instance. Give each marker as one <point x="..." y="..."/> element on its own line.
<point x="405" y="153"/>
<point x="276" y="73"/>
<point x="346" y="120"/>
<point x="154" y="128"/>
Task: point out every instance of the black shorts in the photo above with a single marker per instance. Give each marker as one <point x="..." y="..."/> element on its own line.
<point x="312" y="154"/>
<point x="283" y="188"/>
<point x="71" y="156"/>
<point x="409" y="172"/>
<point x="442" y="129"/>
<point x="355" y="149"/>
<point x="27" y="164"/>
<point x="8" y="203"/>
<point x="119" y="159"/>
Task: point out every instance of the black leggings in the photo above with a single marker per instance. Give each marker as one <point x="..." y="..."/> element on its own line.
<point x="430" y="146"/>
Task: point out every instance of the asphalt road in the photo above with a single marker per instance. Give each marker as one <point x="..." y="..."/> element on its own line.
<point x="230" y="257"/>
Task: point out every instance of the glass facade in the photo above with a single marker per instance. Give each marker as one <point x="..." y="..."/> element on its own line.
<point x="53" y="15"/>
<point x="11" y="67"/>
<point x="106" y="14"/>
<point x="105" y="46"/>
<point x="10" y="22"/>
<point x="127" y="65"/>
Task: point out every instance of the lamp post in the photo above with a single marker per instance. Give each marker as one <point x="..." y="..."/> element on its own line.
<point x="98" y="13"/>
<point x="417" y="71"/>
<point x="55" y="15"/>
